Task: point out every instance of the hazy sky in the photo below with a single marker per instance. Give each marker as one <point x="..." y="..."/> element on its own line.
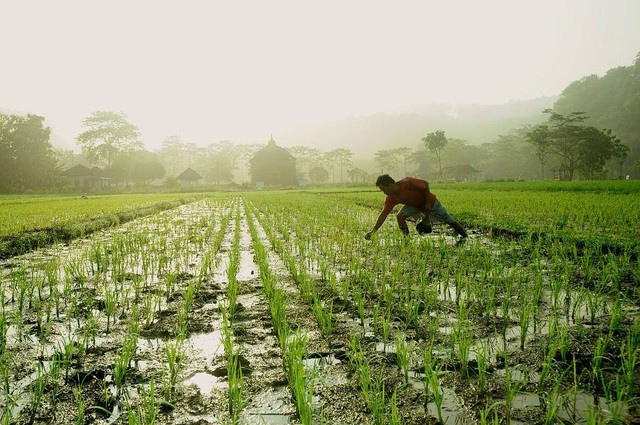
<point x="240" y="70"/>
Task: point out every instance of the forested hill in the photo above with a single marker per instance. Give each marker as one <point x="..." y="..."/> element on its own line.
<point x="366" y="134"/>
<point x="611" y="101"/>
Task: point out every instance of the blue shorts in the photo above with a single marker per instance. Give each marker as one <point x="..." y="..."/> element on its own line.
<point x="437" y="214"/>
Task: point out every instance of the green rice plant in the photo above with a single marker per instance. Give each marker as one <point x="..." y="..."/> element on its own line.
<point x="110" y="302"/>
<point x="324" y="316"/>
<point x="4" y="328"/>
<point x="547" y="366"/>
<point x="525" y="319"/>
<point x="80" y="405"/>
<point x="66" y="349"/>
<point x="394" y="418"/>
<point x="482" y="359"/>
<point x="593" y="415"/>
<point x="386" y="328"/>
<point x="486" y="418"/>
<point x="147" y="411"/>
<point x="358" y="299"/>
<point x="629" y="356"/>
<point x="54" y="377"/>
<point x="173" y="361"/>
<point x="617" y="316"/>
<point x="616" y="394"/>
<point x="38" y="388"/>
<point x="462" y="339"/>
<point x="294" y="354"/>
<point x="511" y="390"/>
<point x="596" y="362"/>
<point x="402" y="357"/>
<point x="436" y="390"/>
<point x="234" y="376"/>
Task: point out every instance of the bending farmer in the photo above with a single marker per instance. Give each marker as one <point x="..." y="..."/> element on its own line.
<point x="418" y="202"/>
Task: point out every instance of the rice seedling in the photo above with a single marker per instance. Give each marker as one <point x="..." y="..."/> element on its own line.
<point x="38" y="387"/>
<point x="324" y="316"/>
<point x="80" y="405"/>
<point x="402" y="357"/>
<point x="511" y="390"/>
<point x="436" y="390"/>
<point x="294" y="353"/>
<point x="482" y="359"/>
<point x="173" y="361"/>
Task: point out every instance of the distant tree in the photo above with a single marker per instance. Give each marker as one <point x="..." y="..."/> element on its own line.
<point x="27" y="159"/>
<point x="318" y="174"/>
<point x="583" y="149"/>
<point x="145" y="172"/>
<point x="358" y="175"/>
<point x="306" y="157"/>
<point x="435" y="142"/>
<point x="221" y="160"/>
<point x="611" y="101"/>
<point x="388" y="160"/>
<point x="107" y="135"/>
<point x="174" y="153"/>
<point x="340" y="157"/>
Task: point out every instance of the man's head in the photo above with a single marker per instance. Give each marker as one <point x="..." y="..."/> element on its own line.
<point x="387" y="184"/>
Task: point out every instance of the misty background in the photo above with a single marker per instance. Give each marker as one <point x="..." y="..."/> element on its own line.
<point x="365" y="76"/>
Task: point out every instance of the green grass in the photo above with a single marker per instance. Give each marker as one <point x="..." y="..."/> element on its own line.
<point x="25" y="213"/>
<point x="29" y="222"/>
<point x="597" y="212"/>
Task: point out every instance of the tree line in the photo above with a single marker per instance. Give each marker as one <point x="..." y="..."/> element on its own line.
<point x="593" y="131"/>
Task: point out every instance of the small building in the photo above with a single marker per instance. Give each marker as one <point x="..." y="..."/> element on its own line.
<point x="461" y="173"/>
<point x="85" y="178"/>
<point x="189" y="178"/>
<point x="273" y="166"/>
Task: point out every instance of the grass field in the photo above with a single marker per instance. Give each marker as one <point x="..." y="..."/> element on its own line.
<point x="271" y="307"/>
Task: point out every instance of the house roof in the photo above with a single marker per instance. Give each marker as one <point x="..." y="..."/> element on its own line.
<point x="189" y="174"/>
<point x="272" y="152"/>
<point x="80" y="170"/>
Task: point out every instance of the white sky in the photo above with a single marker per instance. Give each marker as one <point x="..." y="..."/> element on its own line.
<point x="240" y="70"/>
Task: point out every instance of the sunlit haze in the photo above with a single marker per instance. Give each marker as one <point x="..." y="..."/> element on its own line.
<point x="240" y="71"/>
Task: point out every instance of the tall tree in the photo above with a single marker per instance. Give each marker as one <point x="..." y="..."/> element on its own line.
<point x="108" y="134"/>
<point x="435" y="142"/>
<point x="27" y="159"/>
<point x="222" y="160"/>
<point x="387" y="160"/>
<point x="340" y="157"/>
<point x="306" y="157"/>
<point x="583" y="149"/>
<point x="611" y="101"/>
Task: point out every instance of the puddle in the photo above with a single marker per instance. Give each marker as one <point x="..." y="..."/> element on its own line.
<point x="452" y="408"/>
<point x="207" y="382"/>
<point x="206" y="345"/>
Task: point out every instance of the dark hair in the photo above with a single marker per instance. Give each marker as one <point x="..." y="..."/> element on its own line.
<point x="384" y="180"/>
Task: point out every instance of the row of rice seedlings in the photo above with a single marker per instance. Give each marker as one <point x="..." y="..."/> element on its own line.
<point x="530" y="310"/>
<point x="74" y="278"/>
<point x="295" y="263"/>
<point x="228" y="311"/>
<point x="293" y="345"/>
<point x="294" y="253"/>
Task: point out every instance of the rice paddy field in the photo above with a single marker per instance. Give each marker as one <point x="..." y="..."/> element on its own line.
<point x="272" y="308"/>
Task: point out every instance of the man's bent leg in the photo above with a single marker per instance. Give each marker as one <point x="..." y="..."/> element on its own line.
<point x="402" y="223"/>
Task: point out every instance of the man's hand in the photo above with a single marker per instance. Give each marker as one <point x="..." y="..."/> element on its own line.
<point x="367" y="236"/>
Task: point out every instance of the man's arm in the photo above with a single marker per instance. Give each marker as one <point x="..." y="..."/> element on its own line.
<point x="381" y="218"/>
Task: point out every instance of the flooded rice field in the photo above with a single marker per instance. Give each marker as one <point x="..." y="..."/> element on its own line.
<point x="244" y="310"/>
